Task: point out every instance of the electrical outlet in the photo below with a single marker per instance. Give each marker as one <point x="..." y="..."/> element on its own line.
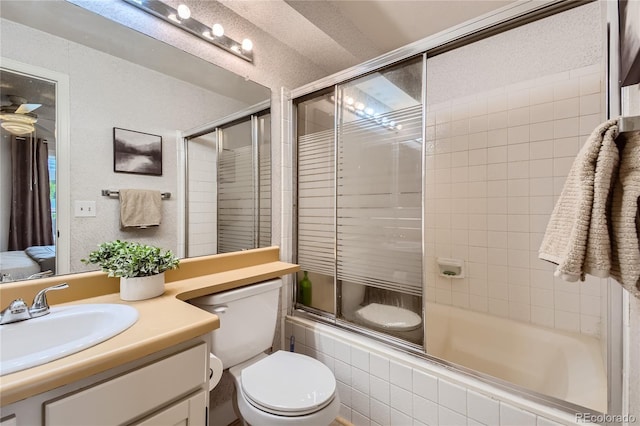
<point x="85" y="209"/>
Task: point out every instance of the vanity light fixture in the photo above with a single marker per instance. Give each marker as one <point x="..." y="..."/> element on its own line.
<point x="181" y="18"/>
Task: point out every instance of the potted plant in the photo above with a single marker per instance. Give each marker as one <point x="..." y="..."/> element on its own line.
<point x="140" y="267"/>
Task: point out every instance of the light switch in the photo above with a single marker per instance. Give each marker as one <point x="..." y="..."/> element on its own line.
<point x="85" y="209"/>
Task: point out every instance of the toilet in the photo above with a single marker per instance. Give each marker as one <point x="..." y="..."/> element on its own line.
<point x="284" y="388"/>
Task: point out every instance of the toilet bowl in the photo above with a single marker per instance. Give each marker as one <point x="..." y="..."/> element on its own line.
<point x="388" y="318"/>
<point x="285" y="388"/>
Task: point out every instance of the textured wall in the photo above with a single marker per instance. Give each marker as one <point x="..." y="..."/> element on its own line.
<point x="108" y="92"/>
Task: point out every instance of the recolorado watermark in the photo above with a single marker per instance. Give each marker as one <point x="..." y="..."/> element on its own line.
<point x="605" y="418"/>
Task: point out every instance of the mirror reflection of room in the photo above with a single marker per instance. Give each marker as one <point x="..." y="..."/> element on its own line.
<point x="28" y="180"/>
<point x="229" y="186"/>
<point x="103" y="93"/>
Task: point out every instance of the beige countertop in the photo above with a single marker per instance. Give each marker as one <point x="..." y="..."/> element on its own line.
<point x="163" y="321"/>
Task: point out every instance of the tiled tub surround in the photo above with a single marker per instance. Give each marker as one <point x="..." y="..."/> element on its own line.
<point x="380" y="386"/>
<point x="496" y="163"/>
<point x="505" y="119"/>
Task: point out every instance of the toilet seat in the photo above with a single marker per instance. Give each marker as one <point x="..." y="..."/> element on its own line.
<point x="386" y="317"/>
<point x="288" y="384"/>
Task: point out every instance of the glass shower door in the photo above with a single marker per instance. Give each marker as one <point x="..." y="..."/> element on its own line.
<point x="379" y="201"/>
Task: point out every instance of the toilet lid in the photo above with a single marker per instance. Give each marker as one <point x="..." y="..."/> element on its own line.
<point x="287" y="383"/>
<point x="389" y="317"/>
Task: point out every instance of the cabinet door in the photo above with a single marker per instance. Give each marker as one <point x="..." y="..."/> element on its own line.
<point x="188" y="412"/>
<point x="129" y="396"/>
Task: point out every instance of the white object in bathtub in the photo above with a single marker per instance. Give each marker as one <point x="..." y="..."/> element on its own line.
<point x="391" y="318"/>
<point x="450" y="268"/>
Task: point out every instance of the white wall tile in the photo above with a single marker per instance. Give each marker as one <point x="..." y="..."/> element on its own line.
<point x="425" y="385"/>
<point x="360" y="380"/>
<point x="452" y="396"/>
<point x="359" y="419"/>
<point x="379" y="366"/>
<point x="401" y="375"/>
<point x="342" y="351"/>
<point x="342" y="372"/>
<point x="345" y="412"/>
<point x="401" y="400"/>
<point x="379" y="389"/>
<point x="448" y="417"/>
<point x="360" y="358"/>
<point x="482" y="408"/>
<point x="512" y="416"/>
<point x="380" y="413"/>
<point x="425" y="411"/>
<point x="344" y="392"/>
<point x="399" y="418"/>
<point x="360" y="402"/>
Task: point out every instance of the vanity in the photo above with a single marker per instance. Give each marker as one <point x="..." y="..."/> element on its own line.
<point x="156" y="371"/>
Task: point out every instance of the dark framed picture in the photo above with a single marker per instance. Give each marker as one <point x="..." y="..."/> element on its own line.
<point x="137" y="152"/>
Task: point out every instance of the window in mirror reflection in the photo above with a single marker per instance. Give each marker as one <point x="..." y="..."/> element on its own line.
<point x="229" y="187"/>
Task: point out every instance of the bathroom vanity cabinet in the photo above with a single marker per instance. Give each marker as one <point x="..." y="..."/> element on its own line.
<point x="156" y="371"/>
<point x="169" y="387"/>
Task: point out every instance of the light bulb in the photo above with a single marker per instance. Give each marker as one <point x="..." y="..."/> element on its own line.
<point x="247" y="45"/>
<point x="217" y="30"/>
<point x="349" y="100"/>
<point x="359" y="105"/>
<point x="184" y="12"/>
<point x="369" y="111"/>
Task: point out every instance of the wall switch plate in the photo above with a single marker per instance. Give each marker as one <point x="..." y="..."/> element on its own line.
<point x="85" y="209"/>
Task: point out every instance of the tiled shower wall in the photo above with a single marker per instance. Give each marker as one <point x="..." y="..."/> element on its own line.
<point x="202" y="196"/>
<point x="381" y="387"/>
<point x="496" y="163"/>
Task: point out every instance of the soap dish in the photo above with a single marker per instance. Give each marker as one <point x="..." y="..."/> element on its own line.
<point x="450" y="268"/>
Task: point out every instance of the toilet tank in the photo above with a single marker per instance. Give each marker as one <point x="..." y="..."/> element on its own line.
<point x="248" y="318"/>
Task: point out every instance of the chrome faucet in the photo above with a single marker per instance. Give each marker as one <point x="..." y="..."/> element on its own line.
<point x="19" y="311"/>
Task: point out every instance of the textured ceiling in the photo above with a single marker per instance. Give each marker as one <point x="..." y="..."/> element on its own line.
<point x="341" y="33"/>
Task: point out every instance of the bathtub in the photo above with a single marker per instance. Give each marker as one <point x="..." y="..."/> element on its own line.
<point x="565" y="365"/>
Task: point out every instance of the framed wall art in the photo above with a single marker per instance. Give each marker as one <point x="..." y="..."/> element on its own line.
<point x="137" y="152"/>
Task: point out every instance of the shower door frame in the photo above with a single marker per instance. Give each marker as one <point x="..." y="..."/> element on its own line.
<point x="252" y="113"/>
<point x="503" y="19"/>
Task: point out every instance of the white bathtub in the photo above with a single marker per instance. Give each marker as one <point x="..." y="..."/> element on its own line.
<point x="564" y="365"/>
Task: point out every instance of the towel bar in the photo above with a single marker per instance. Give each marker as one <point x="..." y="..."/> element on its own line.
<point x="629" y="124"/>
<point x="109" y="193"/>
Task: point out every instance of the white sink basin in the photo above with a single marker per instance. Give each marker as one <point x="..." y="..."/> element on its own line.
<point x="64" y="331"/>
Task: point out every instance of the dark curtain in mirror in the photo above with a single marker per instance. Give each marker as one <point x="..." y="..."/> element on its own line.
<point x="30" y="222"/>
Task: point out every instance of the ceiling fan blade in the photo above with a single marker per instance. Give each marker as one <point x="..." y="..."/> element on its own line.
<point x="26" y="108"/>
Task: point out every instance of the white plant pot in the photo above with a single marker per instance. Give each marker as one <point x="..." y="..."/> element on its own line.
<point x="141" y="288"/>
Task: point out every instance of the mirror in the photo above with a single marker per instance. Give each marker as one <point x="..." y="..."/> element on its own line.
<point x="105" y="76"/>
